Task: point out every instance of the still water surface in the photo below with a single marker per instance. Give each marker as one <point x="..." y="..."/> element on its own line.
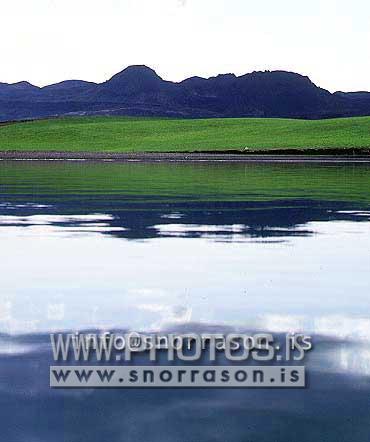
<point x="154" y="246"/>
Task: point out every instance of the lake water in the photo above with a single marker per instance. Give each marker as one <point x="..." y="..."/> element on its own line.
<point x="150" y="247"/>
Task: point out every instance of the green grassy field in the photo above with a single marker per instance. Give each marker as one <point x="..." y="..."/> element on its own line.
<point x="124" y="134"/>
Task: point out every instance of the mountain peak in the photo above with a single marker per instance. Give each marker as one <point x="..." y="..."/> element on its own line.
<point x="136" y="71"/>
<point x="68" y="85"/>
<point x="133" y="80"/>
<point x="23" y="85"/>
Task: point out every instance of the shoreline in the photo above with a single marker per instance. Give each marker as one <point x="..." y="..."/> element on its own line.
<point x="184" y="157"/>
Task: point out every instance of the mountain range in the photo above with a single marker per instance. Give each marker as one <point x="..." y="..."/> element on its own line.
<point x="139" y="91"/>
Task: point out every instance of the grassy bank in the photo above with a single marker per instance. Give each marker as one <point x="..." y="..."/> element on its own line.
<point x="124" y="134"/>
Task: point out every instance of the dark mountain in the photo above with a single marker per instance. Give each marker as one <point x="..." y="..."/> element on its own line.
<point x="138" y="90"/>
<point x="133" y="81"/>
<point x="21" y="90"/>
<point x="65" y="90"/>
<point x="138" y="85"/>
<point x="361" y="95"/>
<point x="360" y="101"/>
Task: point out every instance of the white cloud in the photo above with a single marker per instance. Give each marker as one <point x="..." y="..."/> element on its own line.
<point x="168" y="315"/>
<point x="5" y="310"/>
<point x="56" y="312"/>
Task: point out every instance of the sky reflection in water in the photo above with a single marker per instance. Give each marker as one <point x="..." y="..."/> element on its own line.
<point x="74" y="258"/>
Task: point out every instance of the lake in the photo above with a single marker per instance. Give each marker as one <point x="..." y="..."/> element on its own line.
<point x="156" y="246"/>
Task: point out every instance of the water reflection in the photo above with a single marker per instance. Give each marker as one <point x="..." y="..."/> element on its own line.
<point x="234" y="253"/>
<point x="223" y="220"/>
<point x="334" y="406"/>
<point x="150" y="247"/>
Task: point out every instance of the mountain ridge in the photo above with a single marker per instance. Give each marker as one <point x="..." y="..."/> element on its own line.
<point x="139" y="91"/>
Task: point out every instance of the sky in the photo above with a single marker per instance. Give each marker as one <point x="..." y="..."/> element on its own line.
<point x="47" y="41"/>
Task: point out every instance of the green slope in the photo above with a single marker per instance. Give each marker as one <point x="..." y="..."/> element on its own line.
<point x="123" y="134"/>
